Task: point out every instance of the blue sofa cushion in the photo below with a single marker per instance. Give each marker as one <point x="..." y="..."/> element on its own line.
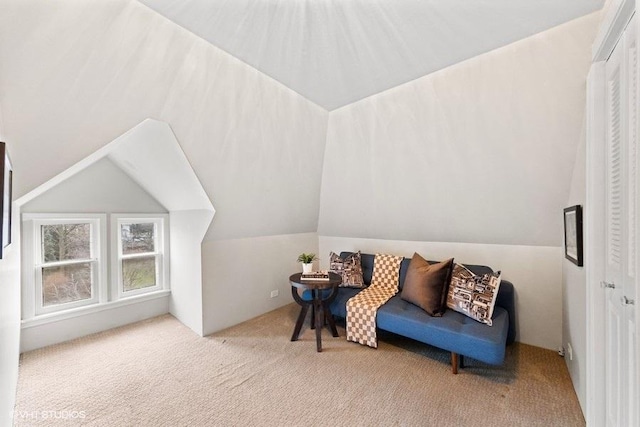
<point x="506" y="300"/>
<point x="453" y="331"/>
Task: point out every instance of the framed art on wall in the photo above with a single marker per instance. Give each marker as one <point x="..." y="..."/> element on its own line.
<point x="6" y="178"/>
<point x="573" y="234"/>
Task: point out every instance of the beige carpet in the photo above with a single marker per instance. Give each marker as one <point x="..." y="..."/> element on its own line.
<point x="159" y="373"/>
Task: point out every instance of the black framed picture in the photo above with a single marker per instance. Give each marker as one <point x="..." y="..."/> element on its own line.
<point x="573" y="234"/>
<point x="6" y="184"/>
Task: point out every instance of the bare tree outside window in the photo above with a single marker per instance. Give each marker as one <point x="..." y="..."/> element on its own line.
<point x="65" y="280"/>
<point x="139" y="257"/>
<point x="138" y="273"/>
<point x="64" y="242"/>
<point x="137" y="238"/>
<point x="66" y="283"/>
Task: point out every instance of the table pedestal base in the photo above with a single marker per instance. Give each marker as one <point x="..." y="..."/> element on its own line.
<point x="320" y="315"/>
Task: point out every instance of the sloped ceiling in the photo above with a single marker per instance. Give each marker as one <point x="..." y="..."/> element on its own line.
<point x="77" y="74"/>
<point x="336" y="52"/>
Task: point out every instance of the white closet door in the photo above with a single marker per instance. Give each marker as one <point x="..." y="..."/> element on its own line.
<point x="631" y="280"/>
<point x="616" y="248"/>
<point x="621" y="369"/>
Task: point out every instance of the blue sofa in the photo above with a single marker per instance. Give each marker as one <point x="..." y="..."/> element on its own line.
<point x="453" y="331"/>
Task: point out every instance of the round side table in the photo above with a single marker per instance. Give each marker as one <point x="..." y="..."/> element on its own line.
<point x="318" y="303"/>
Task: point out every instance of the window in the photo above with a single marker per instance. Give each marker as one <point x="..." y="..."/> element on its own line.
<point x="140" y="251"/>
<point x="67" y="267"/>
<point x="68" y="263"/>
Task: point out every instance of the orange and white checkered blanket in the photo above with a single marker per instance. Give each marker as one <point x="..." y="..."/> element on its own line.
<point x="363" y="307"/>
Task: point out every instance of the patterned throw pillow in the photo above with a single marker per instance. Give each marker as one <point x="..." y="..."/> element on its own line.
<point x="349" y="268"/>
<point x="473" y="296"/>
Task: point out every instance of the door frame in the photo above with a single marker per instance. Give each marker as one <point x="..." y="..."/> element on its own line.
<point x="616" y="18"/>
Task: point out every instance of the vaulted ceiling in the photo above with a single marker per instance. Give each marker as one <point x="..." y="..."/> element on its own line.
<point x="335" y="52"/>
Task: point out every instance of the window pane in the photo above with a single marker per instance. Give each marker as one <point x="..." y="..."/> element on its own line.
<point x="137" y="238"/>
<point x="66" y="283"/>
<point x="138" y="273"/>
<point x="63" y="242"/>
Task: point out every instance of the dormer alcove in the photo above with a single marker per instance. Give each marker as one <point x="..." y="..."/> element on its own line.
<point x="142" y="172"/>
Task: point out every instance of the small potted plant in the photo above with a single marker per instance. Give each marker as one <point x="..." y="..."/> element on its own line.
<point x="307" y="262"/>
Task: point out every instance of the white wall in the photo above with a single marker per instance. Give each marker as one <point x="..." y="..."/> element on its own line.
<point x="9" y="324"/>
<point x="574" y="289"/>
<point x="574" y="278"/>
<point x="39" y="335"/>
<point x="187" y="230"/>
<point x="240" y="274"/>
<point x="480" y="152"/>
<point x="9" y="313"/>
<point x="535" y="271"/>
<point x="100" y="188"/>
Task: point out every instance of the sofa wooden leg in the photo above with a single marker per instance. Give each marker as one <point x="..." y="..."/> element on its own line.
<point x="454" y="363"/>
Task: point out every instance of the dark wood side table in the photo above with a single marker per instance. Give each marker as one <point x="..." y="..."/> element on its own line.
<point x="320" y="305"/>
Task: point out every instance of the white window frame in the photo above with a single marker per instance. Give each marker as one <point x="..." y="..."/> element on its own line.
<point x="161" y="253"/>
<point x="34" y="263"/>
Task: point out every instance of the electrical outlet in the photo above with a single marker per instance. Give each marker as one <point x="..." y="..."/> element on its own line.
<point x="275" y="293"/>
<point x="570" y="351"/>
<point x="561" y="351"/>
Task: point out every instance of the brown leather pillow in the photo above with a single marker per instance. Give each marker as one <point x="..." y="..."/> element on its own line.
<point x="427" y="285"/>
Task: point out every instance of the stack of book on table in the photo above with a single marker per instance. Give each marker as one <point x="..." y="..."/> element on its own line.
<point x="316" y="275"/>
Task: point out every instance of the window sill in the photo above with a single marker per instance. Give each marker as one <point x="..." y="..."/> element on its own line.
<point x="95" y="308"/>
